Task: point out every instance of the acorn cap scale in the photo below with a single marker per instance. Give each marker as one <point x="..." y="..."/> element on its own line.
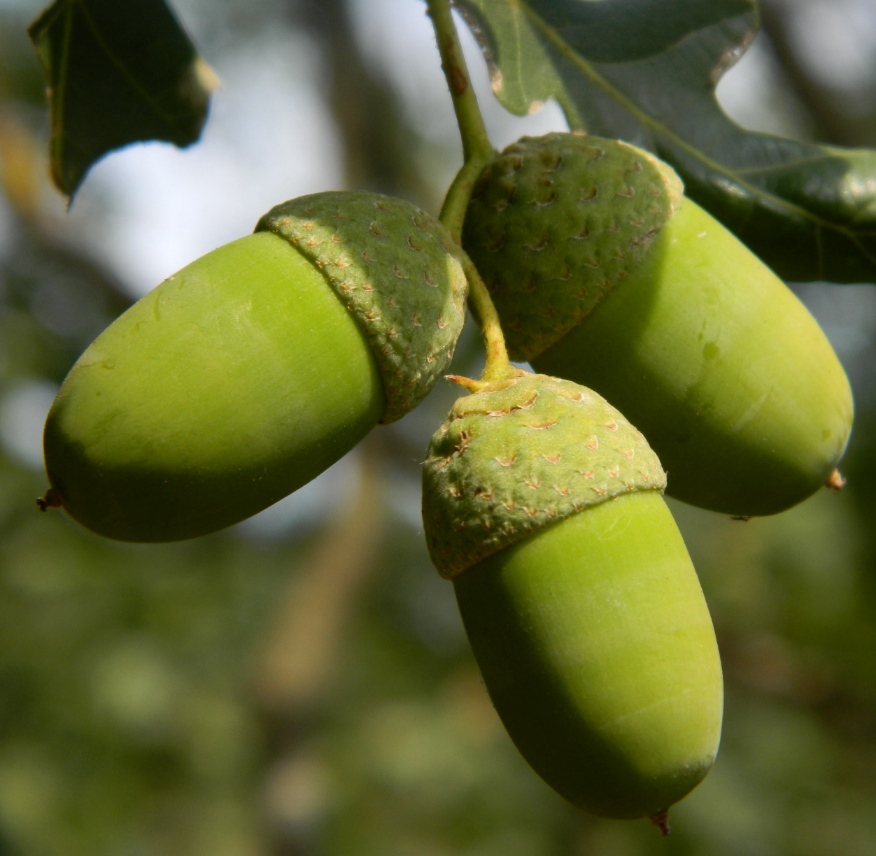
<point x="394" y="267"/>
<point x="519" y="455"/>
<point x="556" y="222"/>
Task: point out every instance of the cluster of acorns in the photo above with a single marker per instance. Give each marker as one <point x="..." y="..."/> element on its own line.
<point x="257" y="366"/>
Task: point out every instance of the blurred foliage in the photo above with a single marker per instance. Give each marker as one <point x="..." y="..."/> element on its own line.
<point x="645" y="71"/>
<point x="308" y="689"/>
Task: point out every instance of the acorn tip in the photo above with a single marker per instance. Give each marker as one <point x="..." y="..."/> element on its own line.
<point x="52" y="499"/>
<point x="835" y="481"/>
<point x="661" y="821"/>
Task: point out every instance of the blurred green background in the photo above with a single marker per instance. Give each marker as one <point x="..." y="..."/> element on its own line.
<point x="301" y="684"/>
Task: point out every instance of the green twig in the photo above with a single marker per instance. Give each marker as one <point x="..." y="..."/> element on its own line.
<point x="475" y="140"/>
<point x="456" y="202"/>
<point x="477" y="153"/>
<point x="497" y="365"/>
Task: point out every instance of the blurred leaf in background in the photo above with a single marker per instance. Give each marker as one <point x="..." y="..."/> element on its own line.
<point x="117" y="74"/>
<point x="301" y="684"/>
<point x="646" y="71"/>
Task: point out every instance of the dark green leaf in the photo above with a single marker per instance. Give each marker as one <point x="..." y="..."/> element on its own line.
<point x="118" y="73"/>
<point x="645" y="71"/>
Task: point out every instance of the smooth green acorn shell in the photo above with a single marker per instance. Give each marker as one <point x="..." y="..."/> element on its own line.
<point x="241" y="378"/>
<point x="597" y="649"/>
<point x="699" y="344"/>
<point x="544" y="506"/>
<point x="731" y="378"/>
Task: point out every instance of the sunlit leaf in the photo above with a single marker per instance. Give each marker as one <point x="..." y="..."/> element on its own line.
<point x="118" y="73"/>
<point x="645" y="71"/>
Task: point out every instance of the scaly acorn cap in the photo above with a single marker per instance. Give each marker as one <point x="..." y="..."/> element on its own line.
<point x="519" y="455"/>
<point x="394" y="267"/>
<point x="556" y="222"/>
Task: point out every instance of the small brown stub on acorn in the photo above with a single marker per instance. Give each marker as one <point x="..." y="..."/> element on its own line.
<point x="52" y="499"/>
<point x="661" y="821"/>
<point x="835" y="481"/>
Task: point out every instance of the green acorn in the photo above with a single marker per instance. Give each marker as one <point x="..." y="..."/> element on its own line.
<point x="604" y="273"/>
<point x="256" y="367"/>
<point x="544" y="506"/>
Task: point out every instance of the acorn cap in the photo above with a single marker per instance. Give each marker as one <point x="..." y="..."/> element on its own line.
<point x="393" y="266"/>
<point x="519" y="455"/>
<point x="556" y="222"/>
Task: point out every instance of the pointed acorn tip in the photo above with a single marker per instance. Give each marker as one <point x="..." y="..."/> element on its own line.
<point x="661" y="821"/>
<point x="835" y="481"/>
<point x="52" y="499"/>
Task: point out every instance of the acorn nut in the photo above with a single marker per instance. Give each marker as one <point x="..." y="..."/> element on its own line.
<point x="604" y="273"/>
<point x="544" y="506"/>
<point x="253" y="369"/>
